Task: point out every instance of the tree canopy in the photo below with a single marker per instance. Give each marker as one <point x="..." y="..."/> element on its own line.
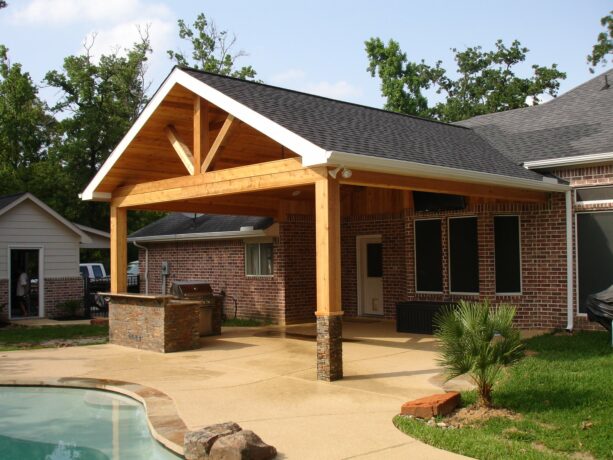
<point x="212" y="49"/>
<point x="603" y="48"/>
<point x="483" y="82"/>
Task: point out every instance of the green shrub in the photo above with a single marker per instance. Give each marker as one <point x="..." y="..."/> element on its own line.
<point x="479" y="341"/>
<point x="69" y="307"/>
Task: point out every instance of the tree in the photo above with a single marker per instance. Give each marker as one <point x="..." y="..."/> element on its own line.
<point x="604" y="43"/>
<point x="3" y="4"/>
<point x="211" y="49"/>
<point x="98" y="102"/>
<point x="478" y="341"/>
<point x="486" y="81"/>
<point x="26" y="130"/>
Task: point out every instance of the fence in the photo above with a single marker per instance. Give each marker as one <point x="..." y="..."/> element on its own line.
<point x="96" y="305"/>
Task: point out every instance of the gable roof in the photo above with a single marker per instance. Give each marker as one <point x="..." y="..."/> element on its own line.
<point x="8" y="202"/>
<point x="577" y="123"/>
<point x="325" y="131"/>
<point x="338" y="126"/>
<point x="204" y="226"/>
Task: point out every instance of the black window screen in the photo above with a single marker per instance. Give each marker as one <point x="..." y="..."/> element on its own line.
<point x="374" y="260"/>
<point x="463" y="255"/>
<point x="507" y="254"/>
<point x="428" y="256"/>
<point x="594" y="254"/>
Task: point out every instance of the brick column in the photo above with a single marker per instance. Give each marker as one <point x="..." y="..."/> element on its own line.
<point x="329" y="347"/>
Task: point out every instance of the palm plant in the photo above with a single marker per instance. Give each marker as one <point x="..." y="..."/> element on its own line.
<point x="479" y="341"/>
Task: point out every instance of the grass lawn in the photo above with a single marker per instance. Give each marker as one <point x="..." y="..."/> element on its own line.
<point x="563" y="394"/>
<point x="20" y="337"/>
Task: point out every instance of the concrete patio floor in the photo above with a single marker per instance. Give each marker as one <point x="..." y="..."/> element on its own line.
<point x="264" y="379"/>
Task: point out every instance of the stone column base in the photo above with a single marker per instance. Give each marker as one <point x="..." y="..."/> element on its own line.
<point x="329" y="348"/>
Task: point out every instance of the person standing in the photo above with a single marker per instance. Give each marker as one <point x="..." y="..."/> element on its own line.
<point x="22" y="291"/>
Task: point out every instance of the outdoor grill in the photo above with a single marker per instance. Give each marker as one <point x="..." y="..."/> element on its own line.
<point x="211" y="303"/>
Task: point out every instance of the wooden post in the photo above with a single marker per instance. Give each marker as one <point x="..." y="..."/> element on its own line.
<point x="201" y="132"/>
<point x="119" y="249"/>
<point x="328" y="260"/>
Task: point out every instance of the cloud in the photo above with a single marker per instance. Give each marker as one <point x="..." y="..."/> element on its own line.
<point x="297" y="79"/>
<point x="63" y="12"/>
<point x="288" y="76"/>
<point x="337" y="90"/>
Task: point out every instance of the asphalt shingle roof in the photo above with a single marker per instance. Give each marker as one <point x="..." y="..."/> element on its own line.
<point x="579" y="122"/>
<point x="346" y="127"/>
<point x="8" y="199"/>
<point x="180" y="224"/>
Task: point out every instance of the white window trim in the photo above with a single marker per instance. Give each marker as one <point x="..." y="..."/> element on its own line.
<point x="259" y="245"/>
<point x="440" y="219"/>
<point x="521" y="271"/>
<point x="593" y="202"/>
<point x="449" y="253"/>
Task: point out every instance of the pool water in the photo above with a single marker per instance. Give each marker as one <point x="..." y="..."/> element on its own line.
<point x="39" y="423"/>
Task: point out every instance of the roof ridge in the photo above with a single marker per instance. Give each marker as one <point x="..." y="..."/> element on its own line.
<point x="321" y="97"/>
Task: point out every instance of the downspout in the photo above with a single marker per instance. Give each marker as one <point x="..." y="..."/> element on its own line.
<point x="569" y="262"/>
<point x="146" y="265"/>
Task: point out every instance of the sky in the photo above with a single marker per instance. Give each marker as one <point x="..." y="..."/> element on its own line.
<point x="315" y="46"/>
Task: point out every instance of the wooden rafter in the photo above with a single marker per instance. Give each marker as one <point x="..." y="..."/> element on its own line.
<point x="181" y="148"/>
<point x="423" y="184"/>
<point x="258" y="177"/>
<point x="201" y="131"/>
<point x="222" y="139"/>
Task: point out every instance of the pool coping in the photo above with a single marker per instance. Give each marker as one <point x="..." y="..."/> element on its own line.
<point x="164" y="422"/>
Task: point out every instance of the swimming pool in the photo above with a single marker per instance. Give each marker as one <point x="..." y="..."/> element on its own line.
<point x="41" y="423"/>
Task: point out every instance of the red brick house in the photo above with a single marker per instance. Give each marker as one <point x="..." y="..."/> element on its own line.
<point x="367" y="208"/>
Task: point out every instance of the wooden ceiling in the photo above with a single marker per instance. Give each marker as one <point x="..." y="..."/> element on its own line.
<point x="150" y="156"/>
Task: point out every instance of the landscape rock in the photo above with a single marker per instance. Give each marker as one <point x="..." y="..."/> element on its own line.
<point x="432" y="406"/>
<point x="243" y="445"/>
<point x="197" y="444"/>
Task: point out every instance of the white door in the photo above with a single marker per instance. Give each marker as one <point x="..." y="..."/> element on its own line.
<point x="370" y="275"/>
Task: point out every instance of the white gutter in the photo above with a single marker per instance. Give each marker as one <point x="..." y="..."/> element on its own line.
<point x="146" y="265"/>
<point x="410" y="168"/>
<point x="202" y="236"/>
<point x="569" y="161"/>
<point x="569" y="262"/>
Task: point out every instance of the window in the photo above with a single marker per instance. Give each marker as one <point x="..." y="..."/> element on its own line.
<point x="463" y="255"/>
<point x="258" y="259"/>
<point x="595" y="195"/>
<point x="374" y="260"/>
<point x="507" y="254"/>
<point x="428" y="256"/>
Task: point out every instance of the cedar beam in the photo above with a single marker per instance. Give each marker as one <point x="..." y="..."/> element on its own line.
<point x="201" y="131"/>
<point x="422" y="184"/>
<point x="245" y="179"/>
<point x="119" y="249"/>
<point x="222" y="139"/>
<point x="182" y="150"/>
<point x="328" y="248"/>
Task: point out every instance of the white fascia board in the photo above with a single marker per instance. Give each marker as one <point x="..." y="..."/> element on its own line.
<point x="409" y="168"/>
<point x="94" y="231"/>
<point x="310" y="153"/>
<point x="231" y="235"/>
<point x="28" y="196"/>
<point x="569" y="161"/>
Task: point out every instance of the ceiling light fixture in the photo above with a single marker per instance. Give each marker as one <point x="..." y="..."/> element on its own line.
<point x="347" y="173"/>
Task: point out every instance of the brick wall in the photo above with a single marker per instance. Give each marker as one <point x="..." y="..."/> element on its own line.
<point x="391" y="229"/>
<point x="58" y="290"/>
<point x="4" y="300"/>
<point x="297" y="248"/>
<point x="221" y="263"/>
<point x="586" y="177"/>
